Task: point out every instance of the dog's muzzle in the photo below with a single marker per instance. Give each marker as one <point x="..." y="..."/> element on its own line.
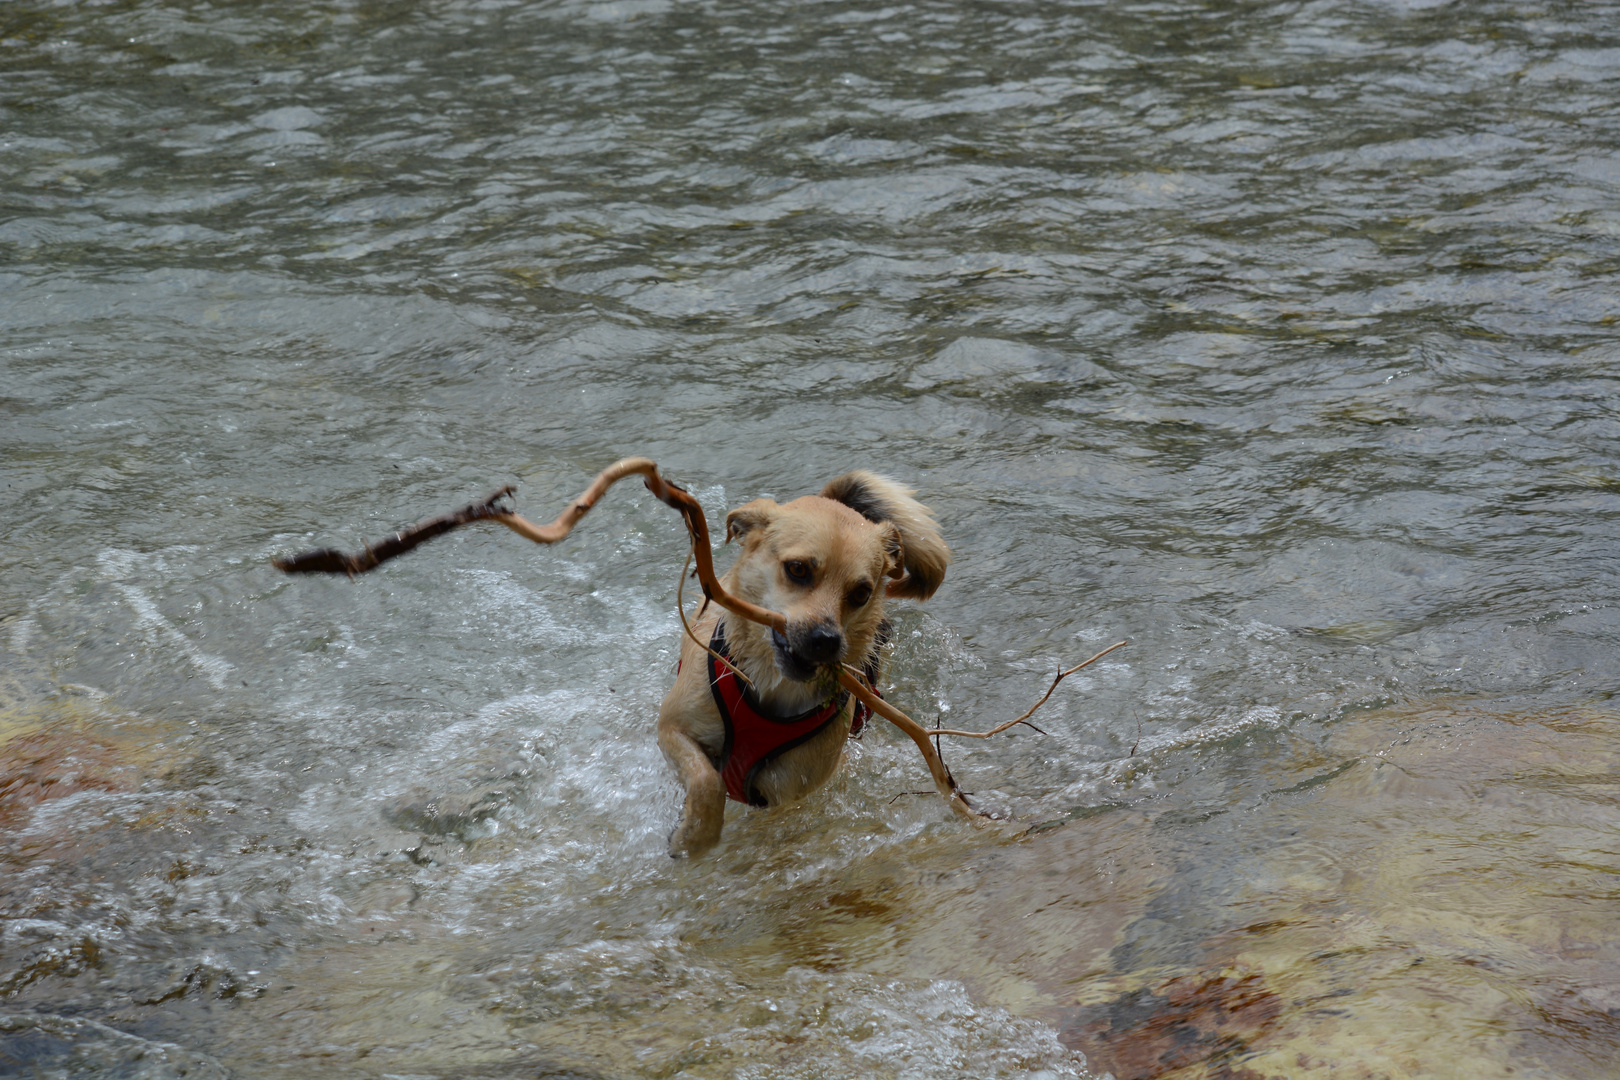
<point x="805" y="649"/>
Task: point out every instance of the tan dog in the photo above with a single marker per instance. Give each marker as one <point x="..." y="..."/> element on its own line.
<point x="826" y="562"/>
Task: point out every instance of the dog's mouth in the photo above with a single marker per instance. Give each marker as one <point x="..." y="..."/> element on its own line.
<point x="793" y="665"/>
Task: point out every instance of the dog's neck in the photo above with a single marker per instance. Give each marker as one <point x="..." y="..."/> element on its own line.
<point x="749" y="646"/>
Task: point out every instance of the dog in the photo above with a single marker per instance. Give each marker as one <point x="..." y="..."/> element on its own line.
<point x="759" y="716"/>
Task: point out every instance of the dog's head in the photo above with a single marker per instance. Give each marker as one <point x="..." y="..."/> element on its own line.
<point x="823" y="566"/>
<point x="827" y="561"/>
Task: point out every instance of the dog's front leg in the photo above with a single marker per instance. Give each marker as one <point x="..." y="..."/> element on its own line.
<point x="705" y="809"/>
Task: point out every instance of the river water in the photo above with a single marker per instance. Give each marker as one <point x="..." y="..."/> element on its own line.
<point x="1276" y="338"/>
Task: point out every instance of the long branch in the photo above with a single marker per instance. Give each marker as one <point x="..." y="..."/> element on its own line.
<point x="328" y="560"/>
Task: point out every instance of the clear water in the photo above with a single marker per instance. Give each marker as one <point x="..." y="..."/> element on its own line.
<point x="1275" y="337"/>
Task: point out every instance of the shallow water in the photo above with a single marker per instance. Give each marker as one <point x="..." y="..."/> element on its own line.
<point x="1277" y="338"/>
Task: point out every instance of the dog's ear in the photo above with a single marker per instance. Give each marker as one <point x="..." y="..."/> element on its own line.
<point x="894" y="546"/>
<point x="748" y="517"/>
<point x="880" y="500"/>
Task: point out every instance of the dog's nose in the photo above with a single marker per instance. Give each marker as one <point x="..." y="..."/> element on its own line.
<point x="823" y="644"/>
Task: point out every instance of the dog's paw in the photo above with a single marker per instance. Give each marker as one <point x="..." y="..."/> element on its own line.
<point x="691" y="840"/>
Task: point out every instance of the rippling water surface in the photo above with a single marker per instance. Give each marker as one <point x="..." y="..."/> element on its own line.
<point x="1277" y="338"/>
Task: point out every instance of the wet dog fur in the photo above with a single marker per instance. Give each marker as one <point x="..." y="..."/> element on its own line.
<point x="826" y="562"/>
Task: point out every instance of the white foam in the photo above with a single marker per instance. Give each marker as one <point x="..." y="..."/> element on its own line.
<point x="116" y="564"/>
<point x="22" y="631"/>
<point x="838" y="1023"/>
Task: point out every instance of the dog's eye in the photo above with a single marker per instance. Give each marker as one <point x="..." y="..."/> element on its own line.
<point x="798" y="572"/>
<point x="860" y="594"/>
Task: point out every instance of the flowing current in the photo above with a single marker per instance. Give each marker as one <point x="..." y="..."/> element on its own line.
<point x="1277" y="338"/>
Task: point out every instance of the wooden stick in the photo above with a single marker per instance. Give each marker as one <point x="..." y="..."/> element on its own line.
<point x="1025" y="718"/>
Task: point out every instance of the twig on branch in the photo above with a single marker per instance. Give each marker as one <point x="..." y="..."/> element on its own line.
<point x="329" y="561"/>
<point x="855" y="682"/>
<point x="1025" y="718"/>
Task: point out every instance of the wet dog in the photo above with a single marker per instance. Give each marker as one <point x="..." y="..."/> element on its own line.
<point x="759" y="715"/>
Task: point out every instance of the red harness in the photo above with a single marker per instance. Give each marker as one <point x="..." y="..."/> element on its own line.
<point x="755" y="737"/>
